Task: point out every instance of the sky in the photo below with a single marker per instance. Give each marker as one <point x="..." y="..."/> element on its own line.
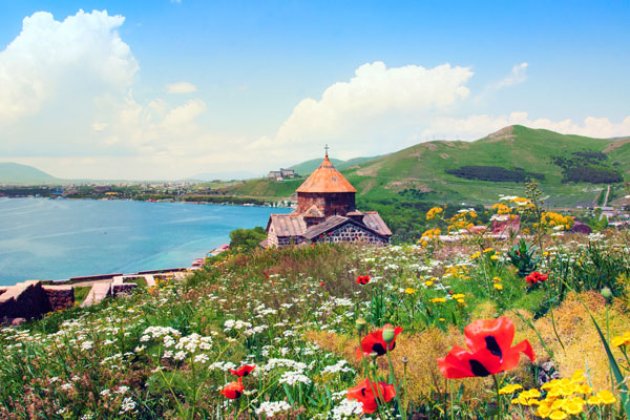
<point x="167" y="89"/>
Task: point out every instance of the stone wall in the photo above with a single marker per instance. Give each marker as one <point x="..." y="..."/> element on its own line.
<point x="60" y="297"/>
<point x="351" y="233"/>
<point x="329" y="203"/>
<point x="118" y="289"/>
<point x="24" y="300"/>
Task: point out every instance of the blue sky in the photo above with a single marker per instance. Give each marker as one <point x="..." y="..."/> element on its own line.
<point x="262" y="84"/>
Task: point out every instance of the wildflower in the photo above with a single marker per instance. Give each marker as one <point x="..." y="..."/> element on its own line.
<point x="271" y="408"/>
<point x="374" y="342"/>
<point x="490" y="352"/>
<point x="410" y="291"/>
<point x="438" y="300"/>
<point x="363" y="280"/>
<point x="498" y="286"/>
<point x="510" y="389"/>
<point x="475" y="255"/>
<point x="621" y="340"/>
<point x="433" y="212"/>
<point x="292" y="378"/>
<point x="604" y="397"/>
<point x="347" y="409"/>
<point x="127" y="405"/>
<point x="371" y="394"/>
<point x="428" y="283"/>
<point x="233" y="390"/>
<point x="243" y="371"/>
<point x="536" y="277"/>
<point x="201" y="358"/>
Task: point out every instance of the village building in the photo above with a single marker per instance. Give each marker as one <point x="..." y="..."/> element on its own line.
<point x="326" y="212"/>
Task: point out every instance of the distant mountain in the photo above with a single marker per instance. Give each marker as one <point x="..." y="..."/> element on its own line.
<point x="309" y="166"/>
<point x="571" y="170"/>
<point x="17" y="174"/>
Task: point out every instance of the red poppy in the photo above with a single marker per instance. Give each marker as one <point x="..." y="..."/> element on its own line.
<point x="363" y="279"/>
<point x="371" y="394"/>
<point x="244" y="370"/>
<point x="374" y="343"/>
<point x="536" y="277"/>
<point x="233" y="390"/>
<point x="490" y="352"/>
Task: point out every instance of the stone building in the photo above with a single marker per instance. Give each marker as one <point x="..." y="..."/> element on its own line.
<point x="326" y="212"/>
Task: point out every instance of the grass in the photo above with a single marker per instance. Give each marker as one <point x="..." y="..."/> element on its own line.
<point x="80" y="293"/>
<point x="165" y="352"/>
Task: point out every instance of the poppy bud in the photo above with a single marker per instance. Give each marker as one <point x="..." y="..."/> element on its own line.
<point x="388" y="333"/>
<point x="606" y="293"/>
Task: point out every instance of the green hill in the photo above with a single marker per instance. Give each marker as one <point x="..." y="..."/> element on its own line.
<point x="309" y="166"/>
<point x="17" y="174"/>
<point x="572" y="170"/>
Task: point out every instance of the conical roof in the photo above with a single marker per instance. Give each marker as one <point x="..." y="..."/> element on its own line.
<point x="326" y="179"/>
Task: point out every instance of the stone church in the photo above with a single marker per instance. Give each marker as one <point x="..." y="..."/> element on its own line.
<point x="326" y="212"/>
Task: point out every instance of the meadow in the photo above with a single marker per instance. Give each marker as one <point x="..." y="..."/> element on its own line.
<point x="459" y="325"/>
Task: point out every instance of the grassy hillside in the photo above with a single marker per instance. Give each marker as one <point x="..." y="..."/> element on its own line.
<point x="15" y="173"/>
<point x="421" y="172"/>
<point x="309" y="166"/>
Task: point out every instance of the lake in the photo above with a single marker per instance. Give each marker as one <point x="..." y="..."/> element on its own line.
<point x="57" y="239"/>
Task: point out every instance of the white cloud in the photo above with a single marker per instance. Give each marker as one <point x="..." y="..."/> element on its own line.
<point x="181" y="87"/>
<point x="378" y="104"/>
<point x="476" y="126"/>
<point x="75" y="57"/>
<point x="517" y="76"/>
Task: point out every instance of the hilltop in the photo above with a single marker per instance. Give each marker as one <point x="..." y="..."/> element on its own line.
<point x="572" y="170"/>
<point x="15" y="173"/>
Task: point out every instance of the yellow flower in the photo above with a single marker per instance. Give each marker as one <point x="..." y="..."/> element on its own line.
<point x="543" y="410"/>
<point x="434" y="212"/>
<point x="558" y="415"/>
<point x="410" y="291"/>
<point x="574" y="406"/>
<point x="594" y="400"/>
<point x="475" y="255"/>
<point x="458" y="296"/>
<point x="510" y="389"/>
<point x="498" y="286"/>
<point x="485" y="251"/>
<point x="438" y="300"/>
<point x="496" y="279"/>
<point x="428" y="283"/>
<point x="494" y="257"/>
<point x="606" y="397"/>
<point x="621" y="340"/>
<point x="461" y="301"/>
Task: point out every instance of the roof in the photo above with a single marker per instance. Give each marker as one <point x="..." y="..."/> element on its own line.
<point x="326" y="179"/>
<point x="374" y="221"/>
<point x="287" y="224"/>
<point x="293" y="225"/>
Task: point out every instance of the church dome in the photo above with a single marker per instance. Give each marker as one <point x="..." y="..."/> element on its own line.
<point x="326" y="179"/>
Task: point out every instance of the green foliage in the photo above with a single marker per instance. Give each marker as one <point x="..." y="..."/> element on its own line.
<point x="494" y="174"/>
<point x="243" y="240"/>
<point x="587" y="166"/>
<point x="524" y="258"/>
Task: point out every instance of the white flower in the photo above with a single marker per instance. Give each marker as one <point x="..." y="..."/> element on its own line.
<point x="339" y="367"/>
<point x="346" y="409"/>
<point x="201" y="358"/>
<point x="127" y="405"/>
<point x="180" y="355"/>
<point x="87" y="345"/>
<point x="271" y="408"/>
<point x="122" y="389"/>
<point x="292" y="378"/>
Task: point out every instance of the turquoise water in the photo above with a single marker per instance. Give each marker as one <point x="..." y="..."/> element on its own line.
<point x="58" y="239"/>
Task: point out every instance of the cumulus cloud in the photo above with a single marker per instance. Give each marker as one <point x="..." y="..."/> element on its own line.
<point x="181" y="87"/>
<point x="67" y="93"/>
<point x="476" y="126"/>
<point x="378" y="104"/>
